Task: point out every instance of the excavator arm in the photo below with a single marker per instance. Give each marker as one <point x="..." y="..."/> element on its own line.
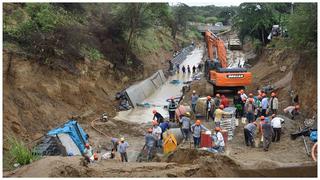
<point x="219" y="74"/>
<point x="216" y="47"/>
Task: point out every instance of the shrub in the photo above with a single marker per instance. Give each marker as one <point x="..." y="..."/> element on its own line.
<point x="92" y="53"/>
<point x="20" y="152"/>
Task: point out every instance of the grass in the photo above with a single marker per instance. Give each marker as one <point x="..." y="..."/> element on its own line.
<point x="150" y="42"/>
<point x="19" y="153"/>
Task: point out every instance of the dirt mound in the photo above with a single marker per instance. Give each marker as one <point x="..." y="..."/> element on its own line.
<point x="206" y="164"/>
<point x="183" y="156"/>
<point x="217" y="165"/>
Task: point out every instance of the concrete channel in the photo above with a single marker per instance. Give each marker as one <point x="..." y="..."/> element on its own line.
<point x="158" y="99"/>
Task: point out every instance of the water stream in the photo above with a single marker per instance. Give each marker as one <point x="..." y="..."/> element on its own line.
<point x="160" y="96"/>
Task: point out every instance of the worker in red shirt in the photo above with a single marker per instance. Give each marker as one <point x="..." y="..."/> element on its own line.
<point x="224" y="101"/>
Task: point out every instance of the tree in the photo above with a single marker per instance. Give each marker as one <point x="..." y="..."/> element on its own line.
<point x="180" y="14"/>
<point x="302" y="26"/>
<point x="135" y="18"/>
<point x="226" y="14"/>
<point x="254" y="20"/>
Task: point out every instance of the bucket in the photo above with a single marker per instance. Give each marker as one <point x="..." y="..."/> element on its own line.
<point x="206" y="140"/>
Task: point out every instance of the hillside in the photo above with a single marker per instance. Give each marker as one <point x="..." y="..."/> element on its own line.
<point x="42" y="90"/>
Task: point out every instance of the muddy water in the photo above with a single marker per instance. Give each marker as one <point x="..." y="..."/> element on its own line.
<point x="159" y="98"/>
<point x="143" y="115"/>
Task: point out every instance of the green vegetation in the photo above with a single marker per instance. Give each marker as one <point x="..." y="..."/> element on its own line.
<point x="61" y="34"/>
<point x="255" y="20"/>
<point x="212" y="14"/>
<point x="302" y="26"/>
<point x="20" y="153"/>
<point x="91" y="53"/>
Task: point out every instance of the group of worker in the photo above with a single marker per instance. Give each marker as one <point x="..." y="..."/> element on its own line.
<point x="188" y="68"/>
<point x="196" y="129"/>
<point x="269" y="130"/>
<point x="265" y="109"/>
<point x="260" y="105"/>
<point x="215" y="108"/>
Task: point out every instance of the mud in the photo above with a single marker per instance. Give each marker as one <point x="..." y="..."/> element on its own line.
<point x="158" y="99"/>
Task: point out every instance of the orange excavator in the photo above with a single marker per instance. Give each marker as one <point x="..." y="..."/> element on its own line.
<point x="217" y="71"/>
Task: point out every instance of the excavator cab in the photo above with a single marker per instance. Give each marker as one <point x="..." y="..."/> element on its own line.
<point x="212" y="66"/>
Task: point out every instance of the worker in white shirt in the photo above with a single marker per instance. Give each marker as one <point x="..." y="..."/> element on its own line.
<point x="276" y="124"/>
<point x="219" y="144"/>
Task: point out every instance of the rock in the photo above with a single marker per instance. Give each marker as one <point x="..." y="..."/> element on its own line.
<point x="171" y="175"/>
<point x="283" y="68"/>
<point x="16" y="127"/>
<point x="125" y="79"/>
<point x="16" y="165"/>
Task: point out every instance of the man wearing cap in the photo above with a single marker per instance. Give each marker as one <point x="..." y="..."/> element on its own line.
<point x="88" y="153"/>
<point x="292" y="111"/>
<point x="194" y="99"/>
<point x="210" y="106"/>
<point x="238" y="104"/>
<point x="156" y="132"/>
<point x="219" y="143"/>
<point x="185" y="121"/>
<point x="224" y="101"/>
<point x="150" y="143"/>
<point x="249" y="133"/>
<point x="157" y="116"/>
<point x="273" y="103"/>
<point x="250" y="109"/>
<point x="172" y="109"/>
<point x="196" y="129"/>
<point x="218" y="115"/>
<point x="244" y="98"/>
<point x="123" y="150"/>
<point x="257" y="104"/>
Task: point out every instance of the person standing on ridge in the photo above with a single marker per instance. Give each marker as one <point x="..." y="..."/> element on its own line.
<point x="123" y="150"/>
<point x="183" y="69"/>
<point x="157" y="116"/>
<point x="172" y="109"/>
<point x="273" y="103"/>
<point x="194" y="99"/>
<point x="196" y="129"/>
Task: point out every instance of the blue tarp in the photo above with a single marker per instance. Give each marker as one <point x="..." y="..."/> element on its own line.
<point x="75" y="131"/>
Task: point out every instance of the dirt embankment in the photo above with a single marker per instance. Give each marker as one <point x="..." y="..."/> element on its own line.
<point x="287" y="71"/>
<point x="197" y="164"/>
<point x="37" y="98"/>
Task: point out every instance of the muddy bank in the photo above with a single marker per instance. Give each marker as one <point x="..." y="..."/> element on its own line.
<point x="203" y="164"/>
